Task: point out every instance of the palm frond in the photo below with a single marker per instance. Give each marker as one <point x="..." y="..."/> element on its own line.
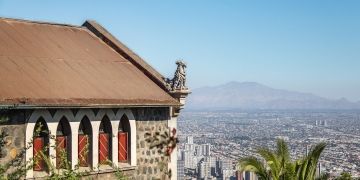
<point x="282" y="150"/>
<point x="254" y="165"/>
<point x="271" y="160"/>
<point x="308" y="166"/>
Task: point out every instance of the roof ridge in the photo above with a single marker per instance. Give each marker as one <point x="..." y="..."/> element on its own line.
<point x="40" y="22"/>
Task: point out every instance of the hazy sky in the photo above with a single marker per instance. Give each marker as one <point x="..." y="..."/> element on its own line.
<point x="308" y="46"/>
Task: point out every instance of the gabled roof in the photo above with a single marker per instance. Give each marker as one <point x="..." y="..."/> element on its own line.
<point x="46" y="64"/>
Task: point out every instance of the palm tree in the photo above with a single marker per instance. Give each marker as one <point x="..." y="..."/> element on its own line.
<point x="278" y="164"/>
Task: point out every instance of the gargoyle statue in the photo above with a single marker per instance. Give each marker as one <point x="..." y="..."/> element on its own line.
<point x="178" y="82"/>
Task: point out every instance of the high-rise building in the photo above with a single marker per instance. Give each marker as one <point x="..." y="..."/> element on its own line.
<point x="239" y="175"/>
<point x="180" y="154"/>
<point x="212" y="163"/>
<point x="180" y="169"/>
<point x="189" y="140"/>
<point x="203" y="150"/>
<point x="228" y="174"/>
<point x="318" y="170"/>
<point x="250" y="175"/>
<point x="225" y="164"/>
<point x="190" y="147"/>
<point x="188" y="159"/>
<point x="204" y="170"/>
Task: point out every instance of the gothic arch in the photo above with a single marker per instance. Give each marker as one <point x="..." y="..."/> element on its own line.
<point x="132" y="138"/>
<point x="40" y="144"/>
<point x="30" y="126"/>
<point x="85" y="150"/>
<point x="63" y="142"/>
<point x="105" y="140"/>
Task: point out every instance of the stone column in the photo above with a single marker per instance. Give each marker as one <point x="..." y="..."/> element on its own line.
<point x="133" y="140"/>
<point x="95" y="143"/>
<point x="52" y="141"/>
<point x="74" y="143"/>
<point x="29" y="152"/>
<point x="115" y="129"/>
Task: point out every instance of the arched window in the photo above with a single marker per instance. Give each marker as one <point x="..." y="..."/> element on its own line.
<point x="63" y="143"/>
<point x="124" y="142"/>
<point x="84" y="142"/>
<point x="105" y="136"/>
<point x="40" y="144"/>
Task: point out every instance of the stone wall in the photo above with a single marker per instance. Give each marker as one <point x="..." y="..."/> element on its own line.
<point x="12" y="124"/>
<point x="150" y="163"/>
<point x="14" y="142"/>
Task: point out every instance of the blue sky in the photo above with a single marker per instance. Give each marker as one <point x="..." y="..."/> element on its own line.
<point x="307" y="46"/>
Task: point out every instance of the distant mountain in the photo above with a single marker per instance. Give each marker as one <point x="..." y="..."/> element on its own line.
<point x="252" y="95"/>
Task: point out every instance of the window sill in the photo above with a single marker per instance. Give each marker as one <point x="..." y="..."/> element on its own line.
<point x="126" y="166"/>
<point x="102" y="170"/>
<point x="40" y="174"/>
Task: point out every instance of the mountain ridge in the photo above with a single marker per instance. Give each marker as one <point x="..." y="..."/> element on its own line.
<point x="253" y="95"/>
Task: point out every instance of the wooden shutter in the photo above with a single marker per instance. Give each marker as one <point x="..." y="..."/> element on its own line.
<point x="103" y="148"/>
<point x="61" y="149"/>
<point x="83" y="148"/>
<point x="123" y="146"/>
<point x="39" y="164"/>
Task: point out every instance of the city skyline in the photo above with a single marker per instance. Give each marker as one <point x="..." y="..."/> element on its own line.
<point x="303" y="46"/>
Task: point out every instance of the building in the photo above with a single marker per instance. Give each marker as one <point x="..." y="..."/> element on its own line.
<point x="190" y="147"/>
<point x="249" y="175"/>
<point x="204" y="149"/>
<point x="85" y="88"/>
<point x="225" y="164"/>
<point x="228" y="174"/>
<point x="204" y="170"/>
<point x="189" y="140"/>
<point x="246" y="175"/>
<point x="180" y="169"/>
<point x="212" y="162"/>
<point x="190" y="160"/>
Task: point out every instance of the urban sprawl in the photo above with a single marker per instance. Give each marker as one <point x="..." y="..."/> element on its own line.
<point x="211" y="143"/>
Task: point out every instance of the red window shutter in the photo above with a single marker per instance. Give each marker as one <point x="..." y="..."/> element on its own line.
<point x="83" y="150"/>
<point x="39" y="164"/>
<point x="103" y="148"/>
<point x="60" y="150"/>
<point x="123" y="146"/>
